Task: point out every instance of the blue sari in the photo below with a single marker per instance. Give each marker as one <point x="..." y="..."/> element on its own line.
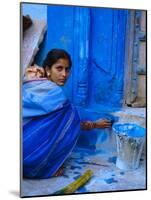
<point x="51" y="127"/>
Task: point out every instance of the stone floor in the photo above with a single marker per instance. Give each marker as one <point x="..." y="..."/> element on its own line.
<point x="106" y="176"/>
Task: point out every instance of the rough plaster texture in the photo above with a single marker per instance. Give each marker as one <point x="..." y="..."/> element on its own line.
<point x="31" y="41"/>
<point x="141" y="96"/>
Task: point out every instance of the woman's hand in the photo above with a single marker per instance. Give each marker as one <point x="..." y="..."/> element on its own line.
<point x="33" y="72"/>
<point x="103" y="123"/>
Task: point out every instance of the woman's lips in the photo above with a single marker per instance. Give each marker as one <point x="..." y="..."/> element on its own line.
<point x="62" y="80"/>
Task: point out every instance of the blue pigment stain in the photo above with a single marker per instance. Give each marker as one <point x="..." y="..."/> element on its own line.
<point x="110" y="180"/>
<point x="76" y="177"/>
<point x="66" y="176"/>
<point x="112" y="159"/>
<point x="82" y="190"/>
<point x="122" y="173"/>
<point x="75" y="167"/>
<point x="77" y="173"/>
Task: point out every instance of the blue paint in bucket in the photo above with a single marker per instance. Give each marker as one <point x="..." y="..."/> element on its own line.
<point x="129" y="129"/>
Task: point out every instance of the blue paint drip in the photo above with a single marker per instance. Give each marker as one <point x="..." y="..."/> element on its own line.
<point x="102" y="137"/>
<point x="112" y="159"/>
<point x="110" y="180"/>
<point x="122" y="173"/>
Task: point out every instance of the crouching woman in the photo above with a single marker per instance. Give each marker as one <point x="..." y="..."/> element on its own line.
<point x="51" y="124"/>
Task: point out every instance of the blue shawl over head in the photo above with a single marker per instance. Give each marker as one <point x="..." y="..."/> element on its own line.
<point x="50" y="128"/>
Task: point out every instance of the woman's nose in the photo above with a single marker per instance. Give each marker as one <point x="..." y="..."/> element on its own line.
<point x="64" y="73"/>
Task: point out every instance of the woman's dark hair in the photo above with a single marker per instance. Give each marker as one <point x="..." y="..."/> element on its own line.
<point x="53" y="56"/>
<point x="27" y="22"/>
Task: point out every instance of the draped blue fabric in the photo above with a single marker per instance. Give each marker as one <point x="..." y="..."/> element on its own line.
<point x="50" y="129"/>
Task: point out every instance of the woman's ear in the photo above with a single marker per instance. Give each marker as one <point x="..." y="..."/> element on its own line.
<point x="47" y="71"/>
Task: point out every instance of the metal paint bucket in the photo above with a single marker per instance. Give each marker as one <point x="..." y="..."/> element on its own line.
<point x="130" y="140"/>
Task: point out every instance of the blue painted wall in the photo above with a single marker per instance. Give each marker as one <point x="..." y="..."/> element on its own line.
<point x="107" y="49"/>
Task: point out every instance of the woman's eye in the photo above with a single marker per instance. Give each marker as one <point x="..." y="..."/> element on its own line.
<point x="59" y="68"/>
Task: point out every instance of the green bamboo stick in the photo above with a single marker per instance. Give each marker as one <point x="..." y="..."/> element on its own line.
<point x="72" y="187"/>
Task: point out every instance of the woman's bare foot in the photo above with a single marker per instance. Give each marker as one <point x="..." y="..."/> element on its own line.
<point x="59" y="172"/>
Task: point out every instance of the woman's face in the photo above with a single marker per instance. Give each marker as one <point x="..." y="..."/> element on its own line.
<point x="59" y="71"/>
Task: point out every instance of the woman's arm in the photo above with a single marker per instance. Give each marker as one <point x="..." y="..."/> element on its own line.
<point x="88" y="125"/>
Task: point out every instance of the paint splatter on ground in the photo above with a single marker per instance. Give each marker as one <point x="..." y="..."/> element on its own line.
<point x="77" y="173"/>
<point x="110" y="180"/>
<point x="112" y="159"/>
<point x="76" y="177"/>
<point x="82" y="190"/>
<point x="75" y="167"/>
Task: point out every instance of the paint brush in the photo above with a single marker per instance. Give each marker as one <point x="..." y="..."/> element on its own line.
<point x="72" y="187"/>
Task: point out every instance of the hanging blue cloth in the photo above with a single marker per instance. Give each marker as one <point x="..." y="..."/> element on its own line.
<point x="51" y="127"/>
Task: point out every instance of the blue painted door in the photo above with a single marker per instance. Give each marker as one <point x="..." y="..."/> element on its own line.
<point x="95" y="38"/>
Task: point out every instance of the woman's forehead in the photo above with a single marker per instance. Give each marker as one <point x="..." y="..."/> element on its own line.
<point x="63" y="62"/>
